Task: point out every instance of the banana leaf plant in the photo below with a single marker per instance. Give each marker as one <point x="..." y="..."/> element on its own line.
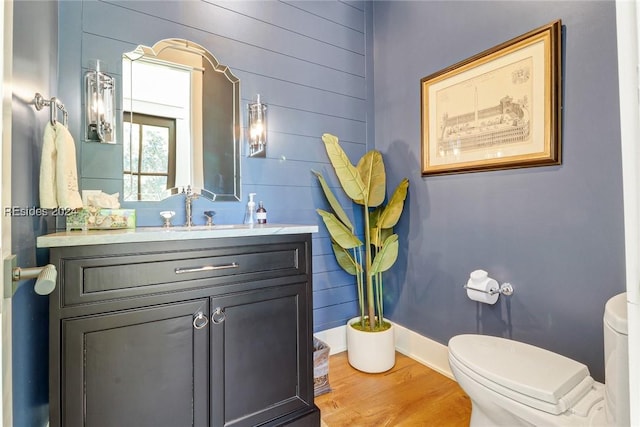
<point x="364" y="184"/>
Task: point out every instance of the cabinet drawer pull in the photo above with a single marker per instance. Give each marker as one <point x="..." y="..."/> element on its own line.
<point x="218" y="316"/>
<point x="200" y="320"/>
<point x="206" y="268"/>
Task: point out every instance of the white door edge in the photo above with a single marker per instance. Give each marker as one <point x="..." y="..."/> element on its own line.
<point x="628" y="31"/>
<point x="6" y="40"/>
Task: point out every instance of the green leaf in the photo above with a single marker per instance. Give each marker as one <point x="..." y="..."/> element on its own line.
<point x="333" y="202"/>
<point x="391" y="213"/>
<point x="345" y="260"/>
<point x="387" y="256"/>
<point x="374" y="215"/>
<point x="385" y="233"/>
<point x="377" y="239"/>
<point x="348" y="175"/>
<point x="371" y="169"/>
<point x="338" y="231"/>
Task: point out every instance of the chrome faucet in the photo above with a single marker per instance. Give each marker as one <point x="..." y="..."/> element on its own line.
<point x="189" y="197"/>
<point x="209" y="215"/>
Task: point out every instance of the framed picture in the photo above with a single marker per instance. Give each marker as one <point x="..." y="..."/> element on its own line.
<point x="496" y="110"/>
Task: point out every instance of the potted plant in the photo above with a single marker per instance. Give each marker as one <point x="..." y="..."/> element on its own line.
<point x="370" y="338"/>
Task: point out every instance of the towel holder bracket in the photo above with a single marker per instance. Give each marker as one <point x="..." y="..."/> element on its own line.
<point x="54" y="104"/>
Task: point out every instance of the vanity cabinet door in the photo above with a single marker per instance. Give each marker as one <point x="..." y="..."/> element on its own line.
<point x="147" y="367"/>
<point x="261" y="364"/>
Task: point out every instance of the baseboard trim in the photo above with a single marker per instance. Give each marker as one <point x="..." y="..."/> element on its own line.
<point x="424" y="350"/>
<point x="335" y="338"/>
<point x="420" y="348"/>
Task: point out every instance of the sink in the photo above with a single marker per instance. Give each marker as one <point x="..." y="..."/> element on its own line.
<point x="198" y="227"/>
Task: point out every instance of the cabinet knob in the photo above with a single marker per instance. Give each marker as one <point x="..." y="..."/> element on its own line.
<point x="218" y="316"/>
<point x="200" y="320"/>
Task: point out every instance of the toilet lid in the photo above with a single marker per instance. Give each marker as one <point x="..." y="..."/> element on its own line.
<point x="529" y="374"/>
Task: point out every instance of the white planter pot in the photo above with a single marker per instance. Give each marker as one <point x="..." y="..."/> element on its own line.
<point x="371" y="352"/>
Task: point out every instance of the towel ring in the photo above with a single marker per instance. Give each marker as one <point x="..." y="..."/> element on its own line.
<point x="54" y="105"/>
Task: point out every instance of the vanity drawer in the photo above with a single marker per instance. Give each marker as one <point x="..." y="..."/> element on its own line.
<point x="135" y="270"/>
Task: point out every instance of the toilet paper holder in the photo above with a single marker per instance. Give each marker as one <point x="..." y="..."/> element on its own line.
<point x="504" y="289"/>
<point x="481" y="282"/>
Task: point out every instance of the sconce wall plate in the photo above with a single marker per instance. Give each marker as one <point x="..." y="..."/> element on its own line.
<point x="257" y="129"/>
<point x="100" y="116"/>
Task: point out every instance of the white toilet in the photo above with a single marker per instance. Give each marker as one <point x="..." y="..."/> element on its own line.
<point x="516" y="384"/>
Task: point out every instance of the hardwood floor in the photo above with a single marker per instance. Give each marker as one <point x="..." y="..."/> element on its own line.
<point x="410" y="394"/>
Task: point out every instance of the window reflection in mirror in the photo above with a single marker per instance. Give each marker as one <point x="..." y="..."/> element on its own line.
<point x="180" y="123"/>
<point x="150" y="169"/>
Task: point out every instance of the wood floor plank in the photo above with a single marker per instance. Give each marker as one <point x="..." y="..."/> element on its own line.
<point x="409" y="395"/>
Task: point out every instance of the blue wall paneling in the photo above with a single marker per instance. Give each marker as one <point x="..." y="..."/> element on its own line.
<point x="308" y="62"/>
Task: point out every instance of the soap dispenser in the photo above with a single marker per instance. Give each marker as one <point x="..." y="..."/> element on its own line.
<point x="261" y="214"/>
<point x="250" y="213"/>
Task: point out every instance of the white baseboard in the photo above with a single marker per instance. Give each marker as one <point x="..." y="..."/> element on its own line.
<point x="424" y="350"/>
<point x="421" y="349"/>
<point x="335" y="338"/>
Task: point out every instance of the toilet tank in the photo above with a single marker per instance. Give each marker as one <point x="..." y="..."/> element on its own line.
<point x="616" y="359"/>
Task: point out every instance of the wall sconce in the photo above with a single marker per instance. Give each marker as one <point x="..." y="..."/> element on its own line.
<point x="257" y="129"/>
<point x="100" y="105"/>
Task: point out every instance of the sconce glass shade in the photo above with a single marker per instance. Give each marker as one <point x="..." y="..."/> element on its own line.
<point x="257" y="129"/>
<point x="100" y="106"/>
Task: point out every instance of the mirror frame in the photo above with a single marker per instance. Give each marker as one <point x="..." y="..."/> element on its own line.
<point x="192" y="47"/>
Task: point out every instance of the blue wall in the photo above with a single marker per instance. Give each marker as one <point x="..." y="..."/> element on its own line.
<point x="34" y="70"/>
<point x="555" y="233"/>
<point x="310" y="61"/>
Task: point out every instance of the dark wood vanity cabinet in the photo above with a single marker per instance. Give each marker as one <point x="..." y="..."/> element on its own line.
<point x="146" y="367"/>
<point x="203" y="332"/>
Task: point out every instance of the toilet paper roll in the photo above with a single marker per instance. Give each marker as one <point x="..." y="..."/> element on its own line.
<point x="478" y="290"/>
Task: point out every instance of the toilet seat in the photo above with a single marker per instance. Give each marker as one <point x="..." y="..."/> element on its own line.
<point x="530" y="375"/>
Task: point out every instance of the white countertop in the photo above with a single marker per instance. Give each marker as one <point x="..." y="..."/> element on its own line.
<point x="160" y="234"/>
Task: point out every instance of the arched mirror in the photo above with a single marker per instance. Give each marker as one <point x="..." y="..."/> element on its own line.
<point x="181" y="123"/>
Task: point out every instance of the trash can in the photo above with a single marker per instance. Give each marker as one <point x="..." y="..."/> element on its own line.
<point x="320" y="367"/>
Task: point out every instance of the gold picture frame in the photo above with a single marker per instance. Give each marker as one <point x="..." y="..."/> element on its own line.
<point x="499" y="109"/>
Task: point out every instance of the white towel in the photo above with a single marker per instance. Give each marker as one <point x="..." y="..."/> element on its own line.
<point x="58" y="169"/>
